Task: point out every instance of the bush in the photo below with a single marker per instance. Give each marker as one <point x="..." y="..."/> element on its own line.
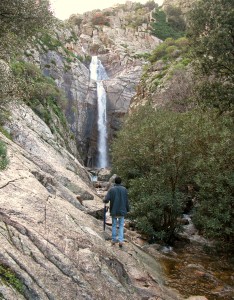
<point x="50" y="42"/>
<point x="175" y="18"/>
<point x="150" y="4"/>
<point x="75" y="20"/>
<point x="20" y="21"/>
<point x="3" y="156"/>
<point x="171" y="49"/>
<point x="40" y="92"/>
<point x="10" y="278"/>
<point x="211" y="45"/>
<point x="100" y="19"/>
<point x="163" y="157"/>
<point x="163" y="28"/>
<point x="168" y="48"/>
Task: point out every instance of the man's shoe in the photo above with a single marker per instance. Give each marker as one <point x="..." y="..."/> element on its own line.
<point x="114" y="242"/>
<point x="120" y="245"/>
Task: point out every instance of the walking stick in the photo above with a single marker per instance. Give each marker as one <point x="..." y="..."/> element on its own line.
<point x="104" y="217"/>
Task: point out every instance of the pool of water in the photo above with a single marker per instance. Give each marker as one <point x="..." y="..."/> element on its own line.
<point x="192" y="271"/>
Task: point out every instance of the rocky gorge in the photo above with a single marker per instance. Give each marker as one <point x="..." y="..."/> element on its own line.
<point x="120" y="47"/>
<point x="49" y="240"/>
<point x="53" y="245"/>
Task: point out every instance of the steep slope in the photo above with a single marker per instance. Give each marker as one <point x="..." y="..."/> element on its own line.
<point x="51" y="247"/>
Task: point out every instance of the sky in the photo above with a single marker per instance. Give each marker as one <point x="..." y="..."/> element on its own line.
<point x="64" y="8"/>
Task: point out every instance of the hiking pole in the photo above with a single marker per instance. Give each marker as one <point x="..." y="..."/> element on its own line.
<point x="104" y="217"/>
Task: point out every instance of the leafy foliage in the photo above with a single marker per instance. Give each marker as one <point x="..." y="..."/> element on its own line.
<point x="157" y="155"/>
<point x="170" y="49"/>
<point x="137" y="19"/>
<point x="211" y="26"/>
<point x="3" y="156"/>
<point x="100" y="19"/>
<point x="150" y="4"/>
<point x="20" y="20"/>
<point x="170" y="63"/>
<point x="10" y="278"/>
<point x="75" y="19"/>
<point x="47" y="40"/>
<point x="7" y="85"/>
<point x="169" y="24"/>
<point x="40" y="92"/>
<point x="175" y="18"/>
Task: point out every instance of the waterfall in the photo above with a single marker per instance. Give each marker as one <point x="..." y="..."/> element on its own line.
<point x="98" y="73"/>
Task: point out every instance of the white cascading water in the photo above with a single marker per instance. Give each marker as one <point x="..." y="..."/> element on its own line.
<point x="98" y="73"/>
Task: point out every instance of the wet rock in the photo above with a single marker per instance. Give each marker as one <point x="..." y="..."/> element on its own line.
<point x="104" y="175"/>
<point x="98" y="214"/>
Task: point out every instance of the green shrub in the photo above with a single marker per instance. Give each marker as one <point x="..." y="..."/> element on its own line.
<point x="175" y="18"/>
<point x="5" y="132"/>
<point x="164" y="27"/>
<point x="159" y="152"/>
<point x="211" y="48"/>
<point x="167" y="50"/>
<point x="3" y="156"/>
<point x="9" y="277"/>
<point x="171" y="49"/>
<point x="40" y="92"/>
<point x="50" y="42"/>
<point x="182" y="43"/>
<point x="75" y="20"/>
<point x="150" y="4"/>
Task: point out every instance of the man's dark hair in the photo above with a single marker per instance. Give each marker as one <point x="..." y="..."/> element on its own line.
<point x="118" y="180"/>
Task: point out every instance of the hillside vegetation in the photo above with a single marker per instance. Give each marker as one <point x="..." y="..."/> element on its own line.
<point x="26" y="26"/>
<point x="178" y="156"/>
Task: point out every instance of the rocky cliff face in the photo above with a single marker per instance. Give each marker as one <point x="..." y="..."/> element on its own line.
<point x="120" y="43"/>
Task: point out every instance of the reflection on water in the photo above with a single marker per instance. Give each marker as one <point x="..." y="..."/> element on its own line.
<point x="193" y="272"/>
<point x="93" y="177"/>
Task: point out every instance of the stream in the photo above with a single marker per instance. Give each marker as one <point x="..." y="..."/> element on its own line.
<point x="190" y="266"/>
<point x="193" y="271"/>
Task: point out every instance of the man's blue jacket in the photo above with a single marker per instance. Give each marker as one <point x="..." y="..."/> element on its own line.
<point x="118" y="197"/>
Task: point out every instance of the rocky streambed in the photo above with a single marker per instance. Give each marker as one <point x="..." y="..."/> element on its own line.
<point x="191" y="267"/>
<point x="192" y="271"/>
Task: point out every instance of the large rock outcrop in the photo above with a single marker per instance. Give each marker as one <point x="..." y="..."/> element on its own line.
<point x="50" y="243"/>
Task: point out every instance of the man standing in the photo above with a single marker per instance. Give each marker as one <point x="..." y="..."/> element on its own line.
<point x="119" y="207"/>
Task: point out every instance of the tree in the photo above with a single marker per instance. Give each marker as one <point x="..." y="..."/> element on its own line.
<point x="210" y="31"/>
<point x="159" y="153"/>
<point x="175" y="18"/>
<point x="151" y="4"/>
<point x="20" y="20"/>
<point x="167" y="26"/>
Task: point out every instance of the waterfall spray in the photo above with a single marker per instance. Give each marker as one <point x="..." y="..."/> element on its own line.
<point x="98" y="73"/>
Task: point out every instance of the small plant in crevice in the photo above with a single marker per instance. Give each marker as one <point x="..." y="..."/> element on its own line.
<point x="3" y="156"/>
<point x="5" y="132"/>
<point x="49" y="42"/>
<point x="10" y="278"/>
